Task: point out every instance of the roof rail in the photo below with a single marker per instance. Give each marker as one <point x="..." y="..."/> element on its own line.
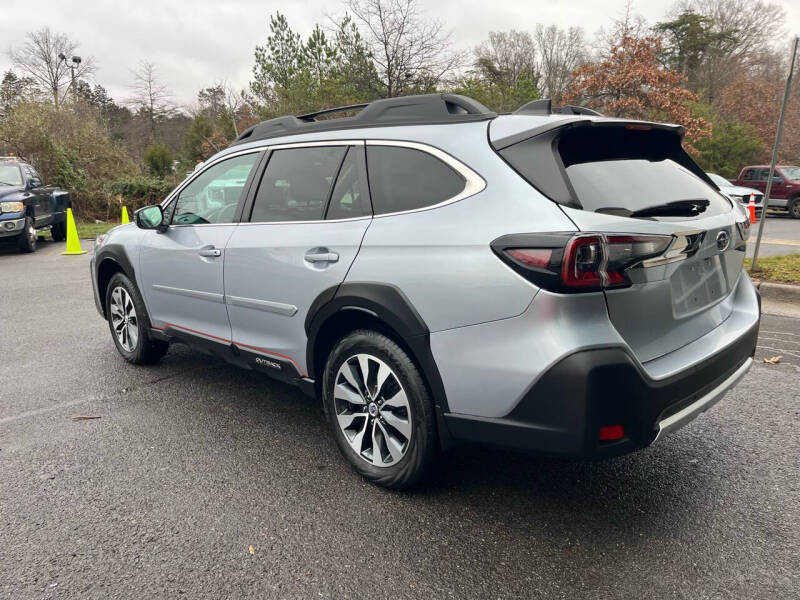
<point x="545" y="107"/>
<point x="330" y="111"/>
<point x="427" y="109"/>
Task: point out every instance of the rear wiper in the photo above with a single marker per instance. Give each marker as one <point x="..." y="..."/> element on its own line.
<point x="678" y="208"/>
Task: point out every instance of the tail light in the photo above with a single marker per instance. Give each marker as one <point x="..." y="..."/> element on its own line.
<point x="578" y="262"/>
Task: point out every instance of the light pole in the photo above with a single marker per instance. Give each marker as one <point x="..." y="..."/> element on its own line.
<point x="767" y="192"/>
<point x="72" y="65"/>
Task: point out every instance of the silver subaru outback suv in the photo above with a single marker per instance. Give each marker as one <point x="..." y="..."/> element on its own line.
<point x="549" y="280"/>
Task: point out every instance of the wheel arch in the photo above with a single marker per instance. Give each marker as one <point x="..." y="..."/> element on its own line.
<point x="378" y="306"/>
<point x="110" y="261"/>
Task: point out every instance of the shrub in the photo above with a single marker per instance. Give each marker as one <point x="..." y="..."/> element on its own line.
<point x="158" y="160"/>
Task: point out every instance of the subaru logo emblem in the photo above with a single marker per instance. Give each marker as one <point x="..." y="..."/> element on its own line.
<point x="723" y="240"/>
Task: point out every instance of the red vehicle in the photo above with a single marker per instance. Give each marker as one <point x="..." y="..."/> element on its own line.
<point x="785" y="193"/>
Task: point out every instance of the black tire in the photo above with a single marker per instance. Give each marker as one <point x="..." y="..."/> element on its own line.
<point x="422" y="449"/>
<point x="146" y="350"/>
<point x="28" y="237"/>
<point x="59" y="232"/>
<point x="794" y="207"/>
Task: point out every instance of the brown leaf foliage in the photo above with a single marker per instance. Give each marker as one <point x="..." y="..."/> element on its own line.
<point x="630" y="82"/>
<point x="756" y="99"/>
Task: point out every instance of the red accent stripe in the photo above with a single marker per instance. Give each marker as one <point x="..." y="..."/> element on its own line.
<point x="216" y="337"/>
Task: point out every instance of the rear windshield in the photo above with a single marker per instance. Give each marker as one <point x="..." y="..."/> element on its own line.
<point x="616" y="170"/>
<point x="616" y="186"/>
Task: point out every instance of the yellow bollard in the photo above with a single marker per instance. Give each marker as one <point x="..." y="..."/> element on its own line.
<point x="125" y="218"/>
<point x="73" y="243"/>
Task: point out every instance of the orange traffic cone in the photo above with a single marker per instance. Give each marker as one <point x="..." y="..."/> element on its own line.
<point x="751" y="207"/>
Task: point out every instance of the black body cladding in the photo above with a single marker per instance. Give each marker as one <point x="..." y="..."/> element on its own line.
<point x="563" y="411"/>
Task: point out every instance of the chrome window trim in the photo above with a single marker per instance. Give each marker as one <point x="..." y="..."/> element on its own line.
<point x="474" y="183"/>
<point x="290" y="145"/>
<point x="361" y="218"/>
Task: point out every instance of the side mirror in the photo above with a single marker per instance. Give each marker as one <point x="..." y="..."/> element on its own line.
<point x="150" y="217"/>
<point x="34" y="182"/>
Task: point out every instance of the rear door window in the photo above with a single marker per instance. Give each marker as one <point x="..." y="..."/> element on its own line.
<point x="296" y="184"/>
<point x="402" y="179"/>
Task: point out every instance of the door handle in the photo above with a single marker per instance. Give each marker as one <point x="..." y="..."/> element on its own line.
<point x="315" y="257"/>
<point x="210" y="252"/>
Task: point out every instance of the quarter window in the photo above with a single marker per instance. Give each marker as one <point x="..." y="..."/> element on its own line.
<point x="212" y="197"/>
<point x="402" y="179"/>
<point x="296" y="184"/>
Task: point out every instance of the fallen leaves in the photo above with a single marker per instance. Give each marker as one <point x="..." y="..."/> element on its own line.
<point x="83" y="418"/>
<point x="773" y="360"/>
<point x="252" y="550"/>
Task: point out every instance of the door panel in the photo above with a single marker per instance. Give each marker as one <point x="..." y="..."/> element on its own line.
<point x="182" y="280"/>
<point x="272" y="276"/>
<point x="180" y="270"/>
<point x="275" y="270"/>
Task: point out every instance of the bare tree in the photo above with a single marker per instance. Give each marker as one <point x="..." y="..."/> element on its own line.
<point x="510" y="53"/>
<point x="39" y="59"/>
<point x="234" y="102"/>
<point x="222" y="102"/>
<point x="560" y="53"/>
<point x="412" y="53"/>
<point x="151" y="98"/>
<point x="748" y="31"/>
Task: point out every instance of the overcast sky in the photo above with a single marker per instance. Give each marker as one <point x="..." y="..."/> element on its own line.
<point x="197" y="42"/>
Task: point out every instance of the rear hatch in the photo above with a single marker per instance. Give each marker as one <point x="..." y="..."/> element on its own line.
<point x="669" y="245"/>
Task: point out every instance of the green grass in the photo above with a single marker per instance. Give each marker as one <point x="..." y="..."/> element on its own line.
<point x="92" y="230"/>
<point x="784" y="269"/>
<point x="88" y="231"/>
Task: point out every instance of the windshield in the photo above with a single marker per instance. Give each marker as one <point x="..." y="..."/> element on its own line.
<point x="10" y="175"/>
<point x="791" y="173"/>
<point x="719" y="180"/>
<point x="633" y="184"/>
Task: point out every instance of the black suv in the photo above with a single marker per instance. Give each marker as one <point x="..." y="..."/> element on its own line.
<point x="27" y="205"/>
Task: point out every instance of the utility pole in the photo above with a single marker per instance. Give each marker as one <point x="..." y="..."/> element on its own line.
<point x="72" y="65"/>
<point x="775" y="153"/>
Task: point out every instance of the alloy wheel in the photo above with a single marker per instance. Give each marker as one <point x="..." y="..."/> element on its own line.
<point x="32" y="235"/>
<point x="372" y="410"/>
<point x="124" y="320"/>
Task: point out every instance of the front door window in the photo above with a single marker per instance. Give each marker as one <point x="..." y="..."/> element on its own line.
<point x="214" y="195"/>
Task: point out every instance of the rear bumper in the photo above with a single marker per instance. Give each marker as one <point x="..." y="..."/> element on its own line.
<point x="563" y="412"/>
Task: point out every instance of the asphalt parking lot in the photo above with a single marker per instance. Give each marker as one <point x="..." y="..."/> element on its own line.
<point x="781" y="236"/>
<point x="192" y="463"/>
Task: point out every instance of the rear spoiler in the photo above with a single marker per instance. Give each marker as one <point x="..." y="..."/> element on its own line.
<point x="583" y="121"/>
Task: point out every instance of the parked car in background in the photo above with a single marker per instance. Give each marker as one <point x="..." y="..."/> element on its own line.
<point x="549" y="280"/>
<point x="785" y="192"/>
<point x="28" y="206"/>
<point x="739" y="193"/>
